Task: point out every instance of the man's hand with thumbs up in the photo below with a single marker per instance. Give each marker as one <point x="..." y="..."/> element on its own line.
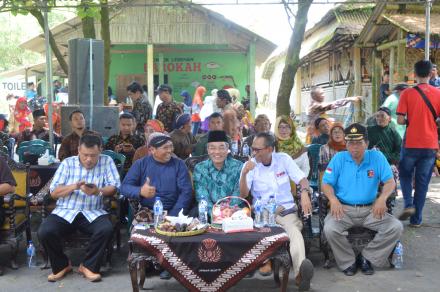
<point x="148" y="191"/>
<point x="249" y="165"/>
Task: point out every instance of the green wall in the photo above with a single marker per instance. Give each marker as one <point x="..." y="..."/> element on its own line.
<point x="185" y="70"/>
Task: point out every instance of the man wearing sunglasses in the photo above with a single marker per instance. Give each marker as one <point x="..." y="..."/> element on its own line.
<point x="269" y="173"/>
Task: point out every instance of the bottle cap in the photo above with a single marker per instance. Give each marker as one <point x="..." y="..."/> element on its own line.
<point x="157" y="199"/>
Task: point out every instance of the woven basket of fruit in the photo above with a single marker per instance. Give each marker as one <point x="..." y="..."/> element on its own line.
<point x="181" y="229"/>
<point x="225" y="208"/>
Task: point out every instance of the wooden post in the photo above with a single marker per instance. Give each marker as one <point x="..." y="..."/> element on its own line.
<point x="392" y="52"/>
<point x="298" y="110"/>
<point x="251" y="62"/>
<point x="357" y="88"/>
<point x="150" y="73"/>
<point x="161" y="75"/>
<point x="401" y="60"/>
<point x="376" y="79"/>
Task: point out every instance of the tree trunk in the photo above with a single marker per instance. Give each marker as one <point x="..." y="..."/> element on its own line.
<point x="88" y="26"/>
<point x="105" y="35"/>
<point x="292" y="58"/>
<point x="56" y="51"/>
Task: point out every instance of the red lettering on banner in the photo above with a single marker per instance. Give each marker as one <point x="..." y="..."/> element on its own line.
<point x="188" y="67"/>
<point x="179" y="67"/>
<point x="170" y="67"/>
<point x="197" y="67"/>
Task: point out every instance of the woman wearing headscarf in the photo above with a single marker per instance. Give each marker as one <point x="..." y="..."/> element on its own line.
<point x="289" y="142"/>
<point x="187" y="102"/>
<point x="197" y="104"/>
<point x="335" y="144"/>
<point x="152" y="126"/>
<point x="22" y="117"/>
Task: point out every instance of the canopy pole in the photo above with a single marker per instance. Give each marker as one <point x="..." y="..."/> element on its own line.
<point x="427" y="30"/>
<point x="49" y="90"/>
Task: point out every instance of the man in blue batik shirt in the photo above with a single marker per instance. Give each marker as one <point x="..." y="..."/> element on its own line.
<point x="79" y="185"/>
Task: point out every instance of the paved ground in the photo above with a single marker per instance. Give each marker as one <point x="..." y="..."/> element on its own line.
<point x="420" y="272"/>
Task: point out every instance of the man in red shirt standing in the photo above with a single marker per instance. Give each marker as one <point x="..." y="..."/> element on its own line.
<point x="420" y="143"/>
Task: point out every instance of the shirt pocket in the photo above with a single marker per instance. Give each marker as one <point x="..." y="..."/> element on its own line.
<point x="261" y="186"/>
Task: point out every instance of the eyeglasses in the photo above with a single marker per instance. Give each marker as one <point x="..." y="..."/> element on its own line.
<point x="254" y="149"/>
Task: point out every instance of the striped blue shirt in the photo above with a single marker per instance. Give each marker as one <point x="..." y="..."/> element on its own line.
<point x="71" y="171"/>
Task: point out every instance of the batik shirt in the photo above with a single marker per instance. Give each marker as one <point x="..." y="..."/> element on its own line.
<point x="71" y="171"/>
<point x="214" y="184"/>
<point x="142" y="112"/>
<point x="167" y="114"/>
<point x="134" y="140"/>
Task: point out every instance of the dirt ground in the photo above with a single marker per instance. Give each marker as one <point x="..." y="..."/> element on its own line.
<point x="420" y="272"/>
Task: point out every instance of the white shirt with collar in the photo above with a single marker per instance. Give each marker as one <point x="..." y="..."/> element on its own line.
<point x="274" y="179"/>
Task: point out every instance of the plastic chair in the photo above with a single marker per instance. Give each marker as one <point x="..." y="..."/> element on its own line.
<point x="37" y="150"/>
<point x="118" y="159"/>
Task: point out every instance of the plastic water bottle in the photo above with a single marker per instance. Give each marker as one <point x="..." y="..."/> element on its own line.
<point x="203" y="210"/>
<point x="398" y="256"/>
<point x="258" y="212"/>
<point x="31" y="255"/>
<point x="271" y="208"/>
<point x="234" y="147"/>
<point x="245" y="150"/>
<point x="158" y="211"/>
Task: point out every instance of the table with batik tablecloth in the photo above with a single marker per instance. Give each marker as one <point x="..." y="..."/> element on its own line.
<point x="212" y="261"/>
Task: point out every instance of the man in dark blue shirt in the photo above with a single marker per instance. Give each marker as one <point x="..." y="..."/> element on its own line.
<point x="159" y="175"/>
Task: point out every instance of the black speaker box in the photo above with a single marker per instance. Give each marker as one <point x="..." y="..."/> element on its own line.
<point x="79" y="71"/>
<point x="105" y="119"/>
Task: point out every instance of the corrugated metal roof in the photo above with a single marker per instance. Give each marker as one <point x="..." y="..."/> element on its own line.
<point x="165" y="26"/>
<point x="415" y="23"/>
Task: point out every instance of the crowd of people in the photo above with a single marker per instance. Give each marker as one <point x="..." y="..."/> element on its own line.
<point x="401" y="144"/>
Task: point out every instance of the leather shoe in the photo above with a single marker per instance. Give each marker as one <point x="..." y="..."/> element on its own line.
<point x="351" y="270"/>
<point x="165" y="275"/>
<point x="406" y="213"/>
<point x="89" y="275"/>
<point x="266" y="269"/>
<point x="58" y="276"/>
<point x="305" y="275"/>
<point x="365" y="265"/>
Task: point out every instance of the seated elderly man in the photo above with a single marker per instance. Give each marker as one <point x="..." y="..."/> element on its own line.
<point x="350" y="183"/>
<point x="126" y="142"/>
<point x="7" y="185"/>
<point x="79" y="185"/>
<point x="261" y="125"/>
<point x="159" y="175"/>
<point x="384" y="136"/>
<point x="219" y="176"/>
<point x="162" y="175"/>
<point x="270" y="173"/>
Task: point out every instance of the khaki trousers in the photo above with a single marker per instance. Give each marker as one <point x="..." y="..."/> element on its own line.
<point x="293" y="225"/>
<point x="389" y="230"/>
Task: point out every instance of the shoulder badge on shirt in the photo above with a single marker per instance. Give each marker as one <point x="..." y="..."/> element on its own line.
<point x="328" y="170"/>
<point x="370" y="173"/>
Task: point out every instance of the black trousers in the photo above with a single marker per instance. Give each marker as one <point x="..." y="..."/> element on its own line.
<point x="54" y="229"/>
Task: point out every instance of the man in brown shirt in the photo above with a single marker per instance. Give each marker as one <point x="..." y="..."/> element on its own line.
<point x="69" y="145"/>
<point x="182" y="138"/>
